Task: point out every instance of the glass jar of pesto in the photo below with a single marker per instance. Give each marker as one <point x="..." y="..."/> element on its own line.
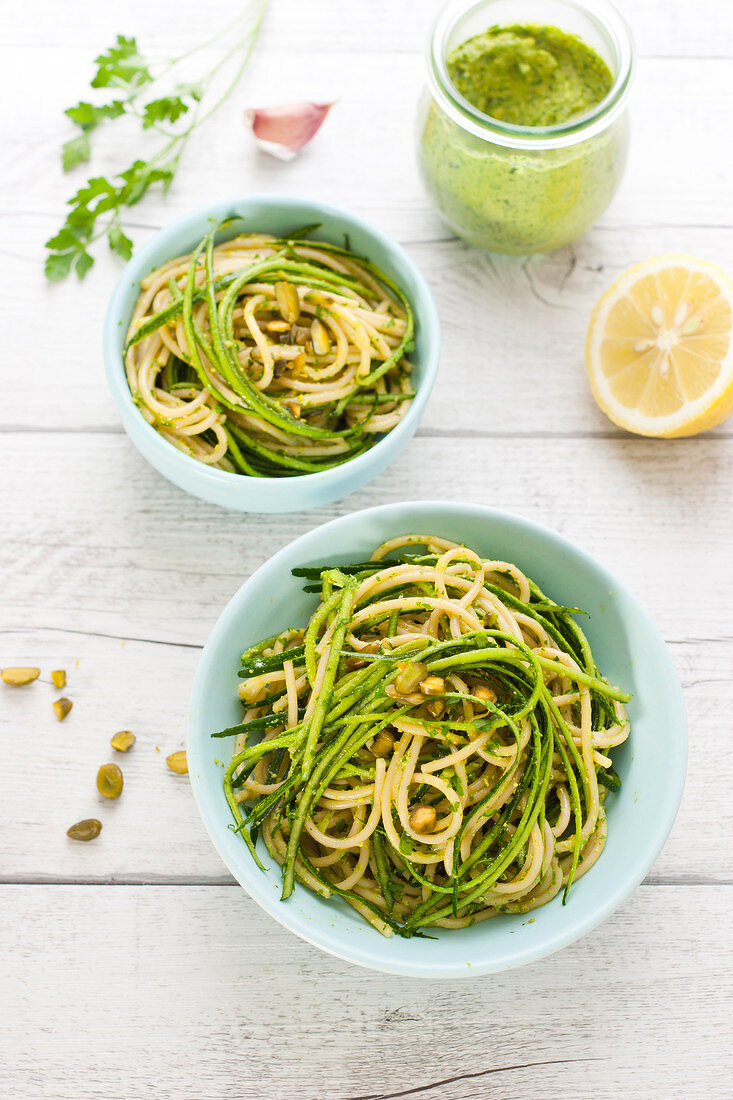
<point x="523" y="130"/>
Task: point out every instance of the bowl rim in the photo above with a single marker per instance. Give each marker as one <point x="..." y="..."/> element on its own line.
<point x="639" y="863"/>
<point x="141" y="263"/>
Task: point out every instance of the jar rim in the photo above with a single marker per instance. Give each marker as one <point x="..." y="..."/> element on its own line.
<point x="558" y="135"/>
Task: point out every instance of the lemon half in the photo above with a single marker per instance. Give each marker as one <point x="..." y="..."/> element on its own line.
<point x="659" y="354"/>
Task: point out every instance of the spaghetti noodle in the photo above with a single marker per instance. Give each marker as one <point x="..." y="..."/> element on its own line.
<point x="434" y="745"/>
<point x="270" y="357"/>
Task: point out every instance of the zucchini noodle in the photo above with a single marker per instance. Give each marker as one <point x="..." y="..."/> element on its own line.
<point x="269" y="357"/>
<point x="433" y="747"/>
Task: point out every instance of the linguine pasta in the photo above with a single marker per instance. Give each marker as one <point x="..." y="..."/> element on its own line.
<point x="270" y="357"/>
<point x="434" y="746"/>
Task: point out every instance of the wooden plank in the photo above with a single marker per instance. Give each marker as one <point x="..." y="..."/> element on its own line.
<point x="136" y="559"/>
<point x="513" y="335"/>
<point x="377" y="26"/>
<point x="505" y="320"/>
<point x="661" y="185"/>
<point x="117" y="576"/>
<point x="194" y="993"/>
<point x="153" y="832"/>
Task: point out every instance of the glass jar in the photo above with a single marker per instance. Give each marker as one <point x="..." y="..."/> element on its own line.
<point x="521" y="189"/>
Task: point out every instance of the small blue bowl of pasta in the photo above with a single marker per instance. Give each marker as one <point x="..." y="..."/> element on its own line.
<point x="283" y="365"/>
<point x="542" y="572"/>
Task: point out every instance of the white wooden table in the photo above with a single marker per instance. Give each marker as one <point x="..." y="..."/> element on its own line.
<point x="134" y="966"/>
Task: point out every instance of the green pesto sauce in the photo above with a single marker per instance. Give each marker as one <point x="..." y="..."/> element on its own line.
<point x="521" y="200"/>
<point x="529" y="75"/>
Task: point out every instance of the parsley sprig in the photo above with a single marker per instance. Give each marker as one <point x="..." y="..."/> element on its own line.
<point x="95" y="210"/>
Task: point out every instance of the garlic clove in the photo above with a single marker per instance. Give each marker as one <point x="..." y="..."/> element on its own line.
<point x="283" y="131"/>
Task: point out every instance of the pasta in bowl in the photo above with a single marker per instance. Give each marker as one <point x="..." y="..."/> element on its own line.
<point x="271" y="354"/>
<point x="432" y="747"/>
<point x="438" y="742"/>
<point x="270" y="357"/>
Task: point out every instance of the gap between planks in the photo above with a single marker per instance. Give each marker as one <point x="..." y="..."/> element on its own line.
<point x="652" y="881"/>
<point x="608" y="226"/>
<point x="717" y="640"/>
<point x="421" y="433"/>
<point x="720" y="639"/>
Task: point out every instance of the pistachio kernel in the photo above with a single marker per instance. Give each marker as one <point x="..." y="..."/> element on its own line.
<point x="19" y="676"/>
<point x="288" y="301"/>
<point x="432" y="685"/>
<point x="382" y="744"/>
<point x="321" y="339"/>
<point x="110" y="781"/>
<point x="412" y="698"/>
<point x="62" y="707"/>
<point x="298" y="334"/>
<point x="87" y="829"/>
<point x="409" y="676"/>
<point x="123" y="741"/>
<point x="177" y="762"/>
<point x="299" y="364"/>
<point x="484" y="693"/>
<point x="422" y="819"/>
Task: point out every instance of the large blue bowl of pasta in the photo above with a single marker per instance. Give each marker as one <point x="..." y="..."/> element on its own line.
<point x="647" y="761"/>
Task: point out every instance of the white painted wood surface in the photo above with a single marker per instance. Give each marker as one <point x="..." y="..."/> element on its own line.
<point x="194" y="992"/>
<point x="134" y="967"/>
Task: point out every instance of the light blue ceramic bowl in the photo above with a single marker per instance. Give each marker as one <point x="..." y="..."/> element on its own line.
<point x="630" y="652"/>
<point x="278" y="215"/>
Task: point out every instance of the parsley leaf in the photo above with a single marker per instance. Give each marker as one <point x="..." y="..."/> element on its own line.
<point x="140" y="176"/>
<point x="65" y="239"/>
<point x="75" y="152"/>
<point x="83" y="262"/>
<point x="58" y="265"/>
<point x="166" y="109"/>
<point x="88" y="117"/>
<point x="121" y="66"/>
<point x="119" y="243"/>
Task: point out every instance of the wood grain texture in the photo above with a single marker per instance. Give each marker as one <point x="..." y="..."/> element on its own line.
<point x="381" y="27"/>
<point x="532" y="314"/>
<point x="133" y="556"/>
<point x="195" y="993"/>
<point x="511" y="364"/>
<point x="184" y="989"/>
<point x="110" y="585"/>
<point x="153" y="832"/>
